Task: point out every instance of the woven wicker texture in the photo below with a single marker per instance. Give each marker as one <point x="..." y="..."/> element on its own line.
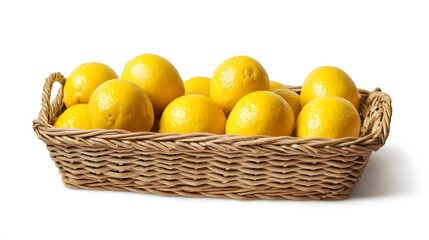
<point x="207" y="165"/>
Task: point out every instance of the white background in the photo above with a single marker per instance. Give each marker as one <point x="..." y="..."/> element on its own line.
<point x="378" y="43"/>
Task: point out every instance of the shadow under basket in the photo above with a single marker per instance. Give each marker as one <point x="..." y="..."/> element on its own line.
<point x="208" y="165"/>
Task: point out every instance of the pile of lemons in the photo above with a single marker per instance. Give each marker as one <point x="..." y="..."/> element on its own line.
<point x="238" y="99"/>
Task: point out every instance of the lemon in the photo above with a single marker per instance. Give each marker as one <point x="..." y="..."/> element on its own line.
<point x="84" y="80"/>
<point x="236" y="77"/>
<point x="261" y="113"/>
<point x="192" y="113"/>
<point x="74" y="117"/>
<point x="292" y="98"/>
<point x="328" y="117"/>
<point x="157" y="77"/>
<point x="276" y="85"/>
<point x="329" y="81"/>
<point x="198" y="85"/>
<point x="120" y="104"/>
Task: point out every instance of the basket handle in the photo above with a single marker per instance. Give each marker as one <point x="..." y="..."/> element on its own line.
<point x="47" y="112"/>
<point x="378" y="115"/>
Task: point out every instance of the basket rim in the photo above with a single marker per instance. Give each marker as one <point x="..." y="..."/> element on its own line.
<point x="121" y="133"/>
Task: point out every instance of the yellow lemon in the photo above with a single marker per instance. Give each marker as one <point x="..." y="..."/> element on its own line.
<point x="120" y="104"/>
<point x="276" y="85"/>
<point x="328" y="117"/>
<point x="261" y="113"/>
<point x="74" y="117"/>
<point x="236" y="77"/>
<point x="329" y="81"/>
<point x="198" y="85"/>
<point x="292" y="98"/>
<point x="84" y="80"/>
<point x="192" y="113"/>
<point x="157" y="77"/>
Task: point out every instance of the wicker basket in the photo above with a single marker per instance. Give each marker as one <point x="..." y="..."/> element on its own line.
<point x="207" y="165"/>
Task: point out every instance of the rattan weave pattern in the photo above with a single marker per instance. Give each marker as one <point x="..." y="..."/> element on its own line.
<point x="207" y="165"/>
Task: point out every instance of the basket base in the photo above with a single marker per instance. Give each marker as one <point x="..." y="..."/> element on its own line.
<point x="290" y="179"/>
<point x="225" y="194"/>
